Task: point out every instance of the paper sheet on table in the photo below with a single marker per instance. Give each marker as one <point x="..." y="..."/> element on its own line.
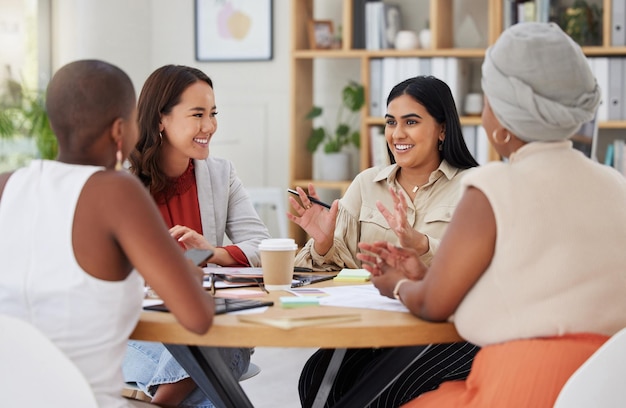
<point x="363" y="296"/>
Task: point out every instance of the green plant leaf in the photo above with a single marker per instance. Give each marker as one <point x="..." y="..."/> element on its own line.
<point x="315" y="112"/>
<point x="332" y="147"/>
<point x="342" y="130"/>
<point x="353" y="99"/>
<point x="7" y="126"/>
<point x="353" y="96"/>
<point x="355" y="138"/>
<point x="316" y="138"/>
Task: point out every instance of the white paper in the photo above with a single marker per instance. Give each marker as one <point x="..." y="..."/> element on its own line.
<point x="361" y="296"/>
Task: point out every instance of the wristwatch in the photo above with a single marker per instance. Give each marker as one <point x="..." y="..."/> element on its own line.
<point x="397" y="288"/>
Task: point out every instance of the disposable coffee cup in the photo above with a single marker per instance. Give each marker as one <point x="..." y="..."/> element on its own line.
<point x="277" y="259"/>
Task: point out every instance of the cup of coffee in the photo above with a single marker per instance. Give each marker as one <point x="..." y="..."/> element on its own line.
<point x="277" y="259"/>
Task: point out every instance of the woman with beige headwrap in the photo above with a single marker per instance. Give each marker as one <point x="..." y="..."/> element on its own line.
<point x="532" y="263"/>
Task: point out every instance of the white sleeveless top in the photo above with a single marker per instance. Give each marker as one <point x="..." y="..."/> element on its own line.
<point x="41" y="282"/>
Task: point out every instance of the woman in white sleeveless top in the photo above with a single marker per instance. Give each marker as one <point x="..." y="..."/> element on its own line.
<point x="74" y="229"/>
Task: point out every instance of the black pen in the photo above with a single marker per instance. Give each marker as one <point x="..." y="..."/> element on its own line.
<point x="311" y="199"/>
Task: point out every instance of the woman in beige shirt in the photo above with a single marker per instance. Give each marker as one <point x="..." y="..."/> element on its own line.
<point x="532" y="265"/>
<point x="422" y="189"/>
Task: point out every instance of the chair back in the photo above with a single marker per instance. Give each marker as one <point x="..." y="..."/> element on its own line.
<point x="36" y="372"/>
<point x="599" y="382"/>
<point x="274" y="198"/>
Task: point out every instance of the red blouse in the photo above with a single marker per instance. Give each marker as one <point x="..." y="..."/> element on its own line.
<point x="179" y="205"/>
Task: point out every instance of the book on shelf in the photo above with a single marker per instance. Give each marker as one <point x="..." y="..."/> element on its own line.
<point x="358" y="24"/>
<point x="523" y="11"/>
<point x="382" y="23"/>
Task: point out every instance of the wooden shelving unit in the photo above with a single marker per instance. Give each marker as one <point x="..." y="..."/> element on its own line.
<point x="441" y="25"/>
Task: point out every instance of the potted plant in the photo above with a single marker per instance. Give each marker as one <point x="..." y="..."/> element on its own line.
<point x="345" y="133"/>
<point x="28" y="117"/>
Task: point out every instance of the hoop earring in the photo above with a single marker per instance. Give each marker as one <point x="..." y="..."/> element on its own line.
<point x="118" y="156"/>
<point x="160" y="138"/>
<point x="494" y="137"/>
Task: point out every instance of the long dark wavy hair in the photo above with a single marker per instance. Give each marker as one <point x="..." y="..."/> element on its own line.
<point x="160" y="93"/>
<point x="437" y="98"/>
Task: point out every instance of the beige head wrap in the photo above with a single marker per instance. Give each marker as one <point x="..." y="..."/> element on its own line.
<point x="538" y="82"/>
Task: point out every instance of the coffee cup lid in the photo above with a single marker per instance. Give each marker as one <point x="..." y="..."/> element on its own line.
<point x="278" y="244"/>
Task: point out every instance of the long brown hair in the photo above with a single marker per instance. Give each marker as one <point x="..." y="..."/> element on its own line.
<point x="160" y="93"/>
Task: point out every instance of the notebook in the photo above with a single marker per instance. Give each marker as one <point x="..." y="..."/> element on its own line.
<point x="223" y="305"/>
<point x="231" y="277"/>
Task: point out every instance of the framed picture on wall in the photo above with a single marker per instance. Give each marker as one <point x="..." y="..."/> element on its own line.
<point x="321" y="34"/>
<point x="233" y="30"/>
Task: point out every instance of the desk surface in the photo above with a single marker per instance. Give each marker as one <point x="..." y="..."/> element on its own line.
<point x="376" y="328"/>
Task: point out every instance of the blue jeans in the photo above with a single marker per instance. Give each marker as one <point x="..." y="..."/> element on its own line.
<point x="149" y="364"/>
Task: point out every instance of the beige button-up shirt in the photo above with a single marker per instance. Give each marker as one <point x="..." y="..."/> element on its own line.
<point x="360" y="221"/>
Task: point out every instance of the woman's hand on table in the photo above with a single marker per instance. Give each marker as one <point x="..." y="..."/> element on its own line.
<point x="388" y="264"/>
<point x="190" y="238"/>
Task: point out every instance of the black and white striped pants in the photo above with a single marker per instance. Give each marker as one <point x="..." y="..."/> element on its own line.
<point x="441" y="362"/>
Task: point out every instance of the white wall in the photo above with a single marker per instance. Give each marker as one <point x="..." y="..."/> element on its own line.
<point x="141" y="35"/>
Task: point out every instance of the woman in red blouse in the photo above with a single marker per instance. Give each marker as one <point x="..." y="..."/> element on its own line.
<point x="201" y="200"/>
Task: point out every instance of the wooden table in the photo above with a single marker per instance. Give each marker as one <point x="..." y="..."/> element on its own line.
<point x="375" y="329"/>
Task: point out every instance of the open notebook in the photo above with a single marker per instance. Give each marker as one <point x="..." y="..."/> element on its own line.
<point x="223" y="305"/>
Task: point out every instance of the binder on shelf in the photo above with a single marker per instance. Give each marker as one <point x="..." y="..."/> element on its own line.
<point x="469" y="135"/>
<point x="389" y="80"/>
<point x="608" y="156"/>
<point x="358" y="24"/>
<point x="615" y="91"/>
<point x="373" y="19"/>
<point x="622" y="77"/>
<point x="542" y="11"/>
<point x="438" y="68"/>
<point x="457" y="77"/>
<point x="408" y="67"/>
<point x="600" y="69"/>
<point x="618" y="22"/>
<point x="482" y="146"/>
<point x="425" y="66"/>
<point x="376" y="83"/>
<point x="509" y="13"/>
<point x="526" y="12"/>
<point x="378" y="145"/>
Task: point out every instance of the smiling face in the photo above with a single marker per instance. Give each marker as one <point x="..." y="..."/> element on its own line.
<point x="188" y="128"/>
<point x="413" y="134"/>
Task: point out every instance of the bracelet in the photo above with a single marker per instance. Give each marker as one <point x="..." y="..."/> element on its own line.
<point x="397" y="288"/>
